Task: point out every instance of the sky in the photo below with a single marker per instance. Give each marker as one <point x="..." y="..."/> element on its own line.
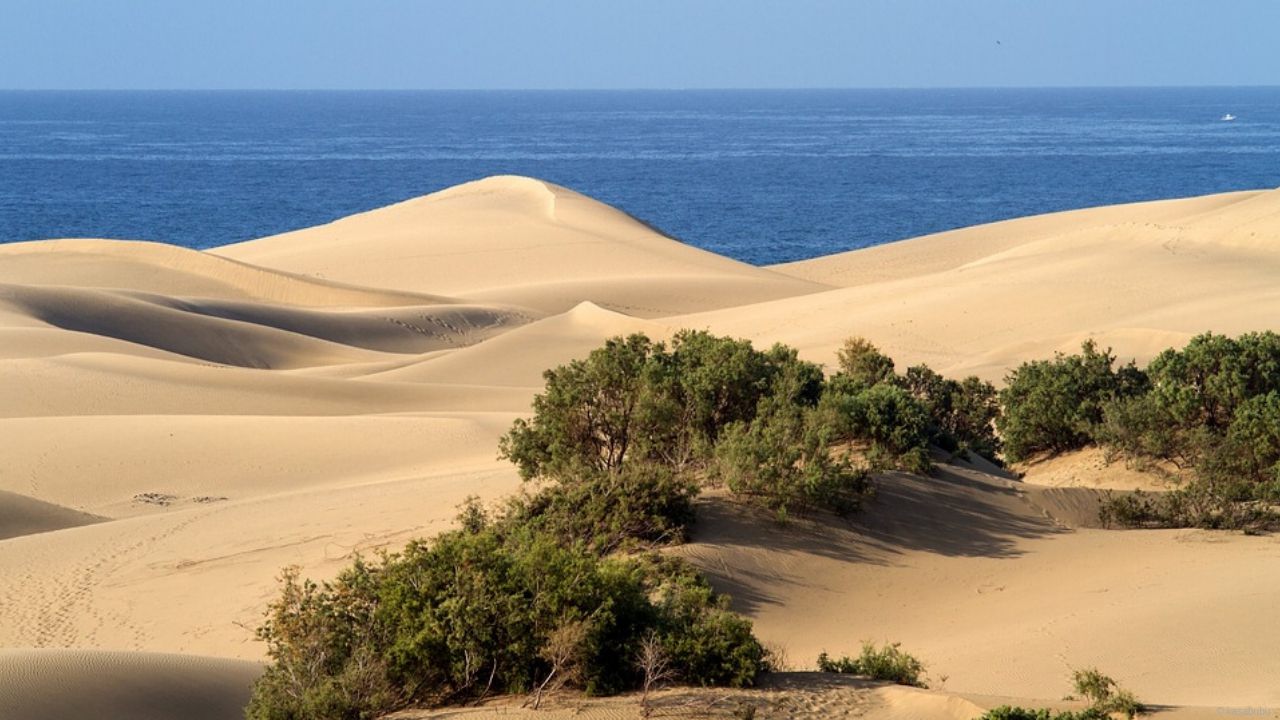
<point x="669" y="44"/>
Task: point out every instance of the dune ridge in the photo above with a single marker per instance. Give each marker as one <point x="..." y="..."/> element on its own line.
<point x="178" y="426"/>
<point x="519" y="241"/>
<point x="22" y="515"/>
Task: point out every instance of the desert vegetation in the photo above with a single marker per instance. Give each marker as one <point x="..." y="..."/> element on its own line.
<point x="1206" y="415"/>
<point x="501" y="605"/>
<point x="561" y="586"/>
<point x="1105" y="696"/>
<point x="889" y="663"/>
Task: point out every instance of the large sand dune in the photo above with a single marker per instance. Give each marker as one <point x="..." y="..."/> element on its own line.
<point x="520" y="241"/>
<point x="1136" y="278"/>
<point x="177" y="426"/>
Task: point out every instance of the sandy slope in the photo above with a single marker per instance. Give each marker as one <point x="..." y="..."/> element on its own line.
<point x="1138" y="278"/>
<point x="519" y="241"/>
<point x="21" y="515"/>
<point x="968" y="572"/>
<point x="789" y="696"/>
<point x="64" y="684"/>
<point x="177" y="426"/>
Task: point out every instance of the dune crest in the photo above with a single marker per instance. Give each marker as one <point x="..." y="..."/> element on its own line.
<point x="171" y="270"/>
<point x="519" y="241"/>
<point x="1138" y="278"/>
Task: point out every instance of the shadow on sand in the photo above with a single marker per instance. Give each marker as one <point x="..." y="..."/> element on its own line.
<point x="956" y="512"/>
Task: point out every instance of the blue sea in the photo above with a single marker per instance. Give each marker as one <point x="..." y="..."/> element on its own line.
<point x="762" y="176"/>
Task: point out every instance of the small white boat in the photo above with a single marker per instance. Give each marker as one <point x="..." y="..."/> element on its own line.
<point x="1228" y="117"/>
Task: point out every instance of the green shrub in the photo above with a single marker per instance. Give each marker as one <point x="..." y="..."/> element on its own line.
<point x="1197" y="505"/>
<point x="1139" y="428"/>
<point x="500" y="609"/>
<point x="863" y="363"/>
<point x="1213" y="408"/>
<point x="713" y="382"/>
<point x="1105" y="697"/>
<point x="961" y="414"/>
<point x="1205" y="382"/>
<point x="589" y="415"/>
<point x="783" y="460"/>
<point x="320" y="641"/>
<point x="1197" y="395"/>
<point x="642" y="502"/>
<point x="888" y="663"/>
<point x="1104" y="694"/>
<point x="1052" y="406"/>
<point x="636" y="400"/>
<point x="706" y="643"/>
<point x="888" y="418"/>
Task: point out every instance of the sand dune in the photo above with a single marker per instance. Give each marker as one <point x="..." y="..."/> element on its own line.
<point x="21" y="515"/>
<point x="108" y="384"/>
<point x="62" y="684"/>
<point x="969" y="573"/>
<point x="1136" y="278"/>
<point x="519" y="357"/>
<point x="519" y="241"/>
<point x="178" y="425"/>
<point x="171" y="270"/>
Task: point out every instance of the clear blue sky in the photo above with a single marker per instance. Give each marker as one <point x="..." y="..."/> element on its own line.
<point x="635" y="43"/>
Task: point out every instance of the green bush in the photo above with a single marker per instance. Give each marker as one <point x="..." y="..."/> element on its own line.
<point x="1212" y="408"/>
<point x="1139" y="428"/>
<point x="1205" y="382"/>
<point x="706" y="643"/>
<point x="636" y="400"/>
<point x="320" y="641"/>
<point x="887" y="663"/>
<point x="961" y="414"/>
<point x="1052" y="406"/>
<point x="893" y="423"/>
<point x="1106" y="698"/>
<point x="1104" y="694"/>
<point x="783" y="459"/>
<point x="642" y="502"/>
<point x="863" y="363"/>
<point x="590" y="415"/>
<point x="502" y="608"/>
<point x="1251" y="449"/>
<point x="1198" y="505"/>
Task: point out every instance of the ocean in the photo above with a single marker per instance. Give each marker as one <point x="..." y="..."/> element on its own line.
<point x="762" y="176"/>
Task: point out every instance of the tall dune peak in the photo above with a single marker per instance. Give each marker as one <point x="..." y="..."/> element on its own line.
<point x="505" y="192"/>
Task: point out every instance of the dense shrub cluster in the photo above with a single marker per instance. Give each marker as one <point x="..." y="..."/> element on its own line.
<point x="902" y="415"/>
<point x="766" y="424"/>
<point x="1211" y="410"/>
<point x="889" y="663"/>
<point x="636" y="400"/>
<point x="1052" y="406"/>
<point x="501" y="605"/>
<point x="639" y="504"/>
<point x="706" y="407"/>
